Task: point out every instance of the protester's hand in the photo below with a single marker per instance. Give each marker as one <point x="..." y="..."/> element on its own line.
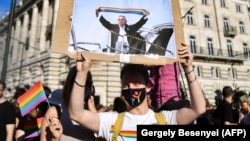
<point x="185" y="53"/>
<point x="55" y="127"/>
<point x="84" y="64"/>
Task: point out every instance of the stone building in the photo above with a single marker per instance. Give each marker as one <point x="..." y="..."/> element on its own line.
<point x="217" y="31"/>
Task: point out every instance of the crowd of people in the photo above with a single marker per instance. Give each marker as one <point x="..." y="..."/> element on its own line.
<point x="149" y="95"/>
<point x="71" y="113"/>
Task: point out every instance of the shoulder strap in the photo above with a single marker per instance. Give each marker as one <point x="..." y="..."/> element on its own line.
<point x="119" y="121"/>
<point x="117" y="126"/>
<point x="160" y="118"/>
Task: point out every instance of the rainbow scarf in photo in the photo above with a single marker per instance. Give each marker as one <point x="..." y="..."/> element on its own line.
<point x="32" y="127"/>
<point x="29" y="100"/>
<point x="125" y="10"/>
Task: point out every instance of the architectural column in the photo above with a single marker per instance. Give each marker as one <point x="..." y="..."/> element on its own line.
<point x="33" y="31"/>
<point x="24" y="32"/>
<point x="16" y="41"/>
<point x="44" y="22"/>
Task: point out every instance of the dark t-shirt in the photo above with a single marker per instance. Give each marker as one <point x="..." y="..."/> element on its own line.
<point x="7" y="116"/>
<point x="224" y="112"/>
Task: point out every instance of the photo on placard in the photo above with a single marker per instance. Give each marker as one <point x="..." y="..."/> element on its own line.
<point x="122" y="26"/>
<point x="111" y="28"/>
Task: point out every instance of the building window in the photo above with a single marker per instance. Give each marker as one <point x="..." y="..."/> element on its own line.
<point x="230" y="48"/>
<point x="207" y="21"/>
<point x="232" y="73"/>
<point x="192" y="43"/>
<point x="242" y="27"/>
<point x="199" y="71"/>
<point x="245" y="50"/>
<point x="215" y="72"/>
<point x="238" y="8"/>
<point x="248" y="73"/>
<point x="222" y="3"/>
<point x="226" y="24"/>
<point x="210" y="46"/>
<point x="204" y="2"/>
<point x="190" y="19"/>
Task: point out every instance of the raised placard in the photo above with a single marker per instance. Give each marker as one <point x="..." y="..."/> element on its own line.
<point x="145" y="32"/>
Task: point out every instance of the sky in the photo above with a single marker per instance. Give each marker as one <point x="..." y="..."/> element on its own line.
<point x="88" y="28"/>
<point x="4" y="7"/>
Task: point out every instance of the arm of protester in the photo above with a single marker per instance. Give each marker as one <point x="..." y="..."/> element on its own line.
<point x="10" y="132"/>
<point x="91" y="104"/>
<point x="51" y="129"/>
<point x="86" y="118"/>
<point x="197" y="105"/>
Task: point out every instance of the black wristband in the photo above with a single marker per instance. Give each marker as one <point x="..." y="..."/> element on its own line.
<point x="189" y="82"/>
<point x="186" y="73"/>
<point x="79" y="84"/>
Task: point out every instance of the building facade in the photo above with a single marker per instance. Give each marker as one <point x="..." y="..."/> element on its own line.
<point x="217" y="31"/>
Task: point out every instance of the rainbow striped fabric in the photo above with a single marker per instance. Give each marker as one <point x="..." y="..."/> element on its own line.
<point x="125" y="10"/>
<point x="29" y="100"/>
<point x="32" y="127"/>
<point x="125" y="133"/>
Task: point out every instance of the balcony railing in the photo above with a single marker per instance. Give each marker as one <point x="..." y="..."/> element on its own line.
<point x="230" y="31"/>
<point x="220" y="53"/>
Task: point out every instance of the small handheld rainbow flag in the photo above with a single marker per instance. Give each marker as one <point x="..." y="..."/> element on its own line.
<point x="32" y="127"/>
<point x="29" y="100"/>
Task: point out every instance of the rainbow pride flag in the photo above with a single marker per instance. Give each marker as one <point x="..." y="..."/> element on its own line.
<point x="29" y="100"/>
<point x="32" y="127"/>
<point x="125" y="10"/>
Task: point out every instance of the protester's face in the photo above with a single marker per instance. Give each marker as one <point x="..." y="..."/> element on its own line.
<point x="244" y="107"/>
<point x="133" y="80"/>
<point x="134" y="88"/>
<point x="1" y="90"/>
<point x="34" y="112"/>
<point x="121" y="20"/>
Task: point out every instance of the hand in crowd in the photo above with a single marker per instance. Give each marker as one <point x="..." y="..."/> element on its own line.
<point x="55" y="127"/>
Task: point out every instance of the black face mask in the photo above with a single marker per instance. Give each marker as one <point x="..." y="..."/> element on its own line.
<point x="134" y="97"/>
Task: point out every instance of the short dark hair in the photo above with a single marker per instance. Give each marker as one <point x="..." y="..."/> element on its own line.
<point x="3" y="83"/>
<point x="69" y="82"/>
<point x="227" y="91"/>
<point x="136" y="68"/>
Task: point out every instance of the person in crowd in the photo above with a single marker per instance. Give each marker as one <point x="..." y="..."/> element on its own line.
<point x="124" y="37"/>
<point x="224" y="114"/>
<point x="19" y="128"/>
<point x="70" y="129"/>
<point x="135" y="87"/>
<point x="245" y="109"/>
<point x="101" y="108"/>
<point x="165" y="84"/>
<point x="47" y="90"/>
<point x="207" y="117"/>
<point x="7" y="116"/>
<point x="38" y="112"/>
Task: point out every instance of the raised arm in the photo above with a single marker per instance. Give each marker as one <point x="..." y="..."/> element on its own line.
<point x="198" y="106"/>
<point x="86" y="118"/>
